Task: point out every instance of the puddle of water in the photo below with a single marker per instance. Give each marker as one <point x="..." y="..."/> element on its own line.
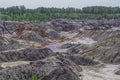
<point x="54" y="47"/>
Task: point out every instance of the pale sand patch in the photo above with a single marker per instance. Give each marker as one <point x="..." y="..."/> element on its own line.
<point x="114" y="29"/>
<point x="15" y="49"/>
<point x="83" y="41"/>
<point x="68" y="35"/>
<point x="12" y="64"/>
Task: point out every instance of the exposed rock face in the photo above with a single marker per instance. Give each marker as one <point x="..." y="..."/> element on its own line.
<point x="27" y="54"/>
<point x="50" y="69"/>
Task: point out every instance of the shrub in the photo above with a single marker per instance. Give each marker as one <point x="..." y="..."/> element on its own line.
<point x="34" y="77"/>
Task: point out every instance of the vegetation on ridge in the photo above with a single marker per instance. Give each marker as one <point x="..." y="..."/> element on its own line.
<point x="20" y="13"/>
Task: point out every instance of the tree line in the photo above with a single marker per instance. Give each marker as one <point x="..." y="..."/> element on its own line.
<point x="20" y="13"/>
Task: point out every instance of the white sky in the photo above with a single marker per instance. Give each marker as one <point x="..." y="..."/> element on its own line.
<point x="59" y="3"/>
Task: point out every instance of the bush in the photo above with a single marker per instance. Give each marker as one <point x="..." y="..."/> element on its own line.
<point x="34" y="77"/>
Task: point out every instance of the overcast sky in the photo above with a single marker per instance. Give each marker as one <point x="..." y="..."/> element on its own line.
<point x="59" y="3"/>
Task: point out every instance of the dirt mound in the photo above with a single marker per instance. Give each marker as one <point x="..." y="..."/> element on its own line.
<point x="3" y="43"/>
<point x="112" y="54"/>
<point x="76" y="59"/>
<point x="78" y="25"/>
<point x="25" y="54"/>
<point x="53" y="34"/>
<point x="11" y="26"/>
<point x="80" y="60"/>
<point x="31" y="36"/>
<point x="48" y="69"/>
<point x="61" y="25"/>
<point x="9" y="44"/>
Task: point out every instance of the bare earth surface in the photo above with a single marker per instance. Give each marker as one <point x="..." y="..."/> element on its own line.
<point x="62" y="50"/>
<point x="102" y="73"/>
<point x="12" y="64"/>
